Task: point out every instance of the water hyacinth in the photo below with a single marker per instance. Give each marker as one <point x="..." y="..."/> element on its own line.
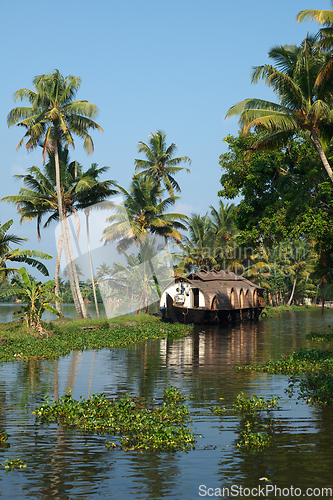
<point x="324" y="337"/>
<point x="299" y="361"/>
<point x="248" y="438"/>
<point x="252" y="423"/>
<point x="14" y="463"/>
<point x="163" y="427"/>
<point x="251" y="405"/>
<point x="314" y="367"/>
<point x="316" y="388"/>
<point x="3" y="438"/>
<point x="63" y="338"/>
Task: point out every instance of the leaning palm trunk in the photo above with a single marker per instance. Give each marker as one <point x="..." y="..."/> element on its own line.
<point x="90" y="262"/>
<point x="63" y="230"/>
<point x="293" y="290"/>
<point x="85" y="313"/>
<point x="322" y="155"/>
<point x="56" y="277"/>
<point x="158" y="290"/>
<point x="70" y="270"/>
<point x="152" y="270"/>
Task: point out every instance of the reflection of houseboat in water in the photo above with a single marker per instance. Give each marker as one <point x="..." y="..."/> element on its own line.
<point x="211" y="297"/>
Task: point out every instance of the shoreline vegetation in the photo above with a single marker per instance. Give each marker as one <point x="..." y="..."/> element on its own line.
<point x="64" y="335"/>
<point x="273" y="311"/>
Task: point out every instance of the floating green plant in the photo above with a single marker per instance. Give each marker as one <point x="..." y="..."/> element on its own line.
<point x="162" y="427"/>
<point x="325" y="337"/>
<point x="65" y="338"/>
<point x="173" y="395"/>
<point x="3" y="438"/>
<point x="315" y="366"/>
<point x="14" y="463"/>
<point x="249" y="405"/>
<point x="299" y="361"/>
<point x="316" y="389"/>
<point x="218" y="410"/>
<point x="248" y="438"/>
<point x="251" y="424"/>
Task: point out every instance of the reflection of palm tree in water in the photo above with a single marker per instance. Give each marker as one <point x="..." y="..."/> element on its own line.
<point x="133" y="285"/>
<point x="92" y="367"/>
<point x="72" y="370"/>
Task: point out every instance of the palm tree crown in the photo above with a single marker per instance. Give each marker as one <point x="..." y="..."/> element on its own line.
<point x="305" y="104"/>
<point x="53" y="114"/>
<point x="78" y="189"/>
<point x="141" y="213"/>
<point x="223" y="222"/>
<point x="323" y="17"/>
<point x="160" y="163"/>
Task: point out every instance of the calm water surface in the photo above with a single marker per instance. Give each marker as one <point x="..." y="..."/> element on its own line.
<point x="66" y="464"/>
<point x="7" y="310"/>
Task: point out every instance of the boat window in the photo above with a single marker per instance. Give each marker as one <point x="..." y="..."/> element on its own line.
<point x="232" y="297"/>
<point x="255" y="298"/>
<point x="241" y="298"/>
<point x="214" y="303"/>
<point x="195" y="292"/>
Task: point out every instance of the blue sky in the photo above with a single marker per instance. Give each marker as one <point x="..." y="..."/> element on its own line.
<point x="177" y="66"/>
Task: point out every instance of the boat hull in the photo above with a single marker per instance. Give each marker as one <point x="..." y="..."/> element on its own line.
<point x="200" y="315"/>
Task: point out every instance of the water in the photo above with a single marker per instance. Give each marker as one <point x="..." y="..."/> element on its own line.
<point x="68" y="310"/>
<point x="66" y="464"/>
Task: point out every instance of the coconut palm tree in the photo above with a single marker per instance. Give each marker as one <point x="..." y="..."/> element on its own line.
<point x="325" y="42"/>
<point x="39" y="198"/>
<point x="298" y="260"/>
<point x="223" y="223"/>
<point x="198" y="249"/>
<point x="88" y="200"/>
<point x="160" y="163"/>
<point x="260" y="267"/>
<point x="16" y="255"/>
<point x="52" y="119"/>
<point x="323" y="17"/>
<point x="132" y="283"/>
<point x="103" y="272"/>
<point x="304" y="105"/>
<point x="141" y="214"/>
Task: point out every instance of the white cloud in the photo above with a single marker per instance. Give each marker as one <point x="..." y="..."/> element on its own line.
<point x="16" y="169"/>
<point x="183" y="208"/>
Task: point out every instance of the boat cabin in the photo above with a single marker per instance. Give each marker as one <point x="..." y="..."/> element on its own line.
<point x="211" y="296"/>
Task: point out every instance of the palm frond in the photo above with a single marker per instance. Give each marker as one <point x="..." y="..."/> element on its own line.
<point x="324" y="17"/>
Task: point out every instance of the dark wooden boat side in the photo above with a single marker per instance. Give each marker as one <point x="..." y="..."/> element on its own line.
<point x="202" y="315"/>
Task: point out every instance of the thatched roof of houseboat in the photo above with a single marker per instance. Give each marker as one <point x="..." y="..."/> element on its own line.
<point x="221" y="276"/>
<point x="220" y="285"/>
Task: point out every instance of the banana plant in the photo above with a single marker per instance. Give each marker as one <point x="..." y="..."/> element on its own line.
<point x="36" y="297"/>
<point x="17" y="255"/>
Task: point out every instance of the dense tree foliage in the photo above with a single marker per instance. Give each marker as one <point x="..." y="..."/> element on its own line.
<point x="305" y="100"/>
<point x="285" y="192"/>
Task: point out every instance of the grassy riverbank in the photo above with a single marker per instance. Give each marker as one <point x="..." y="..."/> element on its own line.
<point x="65" y="335"/>
<point x="273" y="311"/>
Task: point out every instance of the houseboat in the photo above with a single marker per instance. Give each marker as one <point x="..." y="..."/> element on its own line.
<point x="211" y="297"/>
